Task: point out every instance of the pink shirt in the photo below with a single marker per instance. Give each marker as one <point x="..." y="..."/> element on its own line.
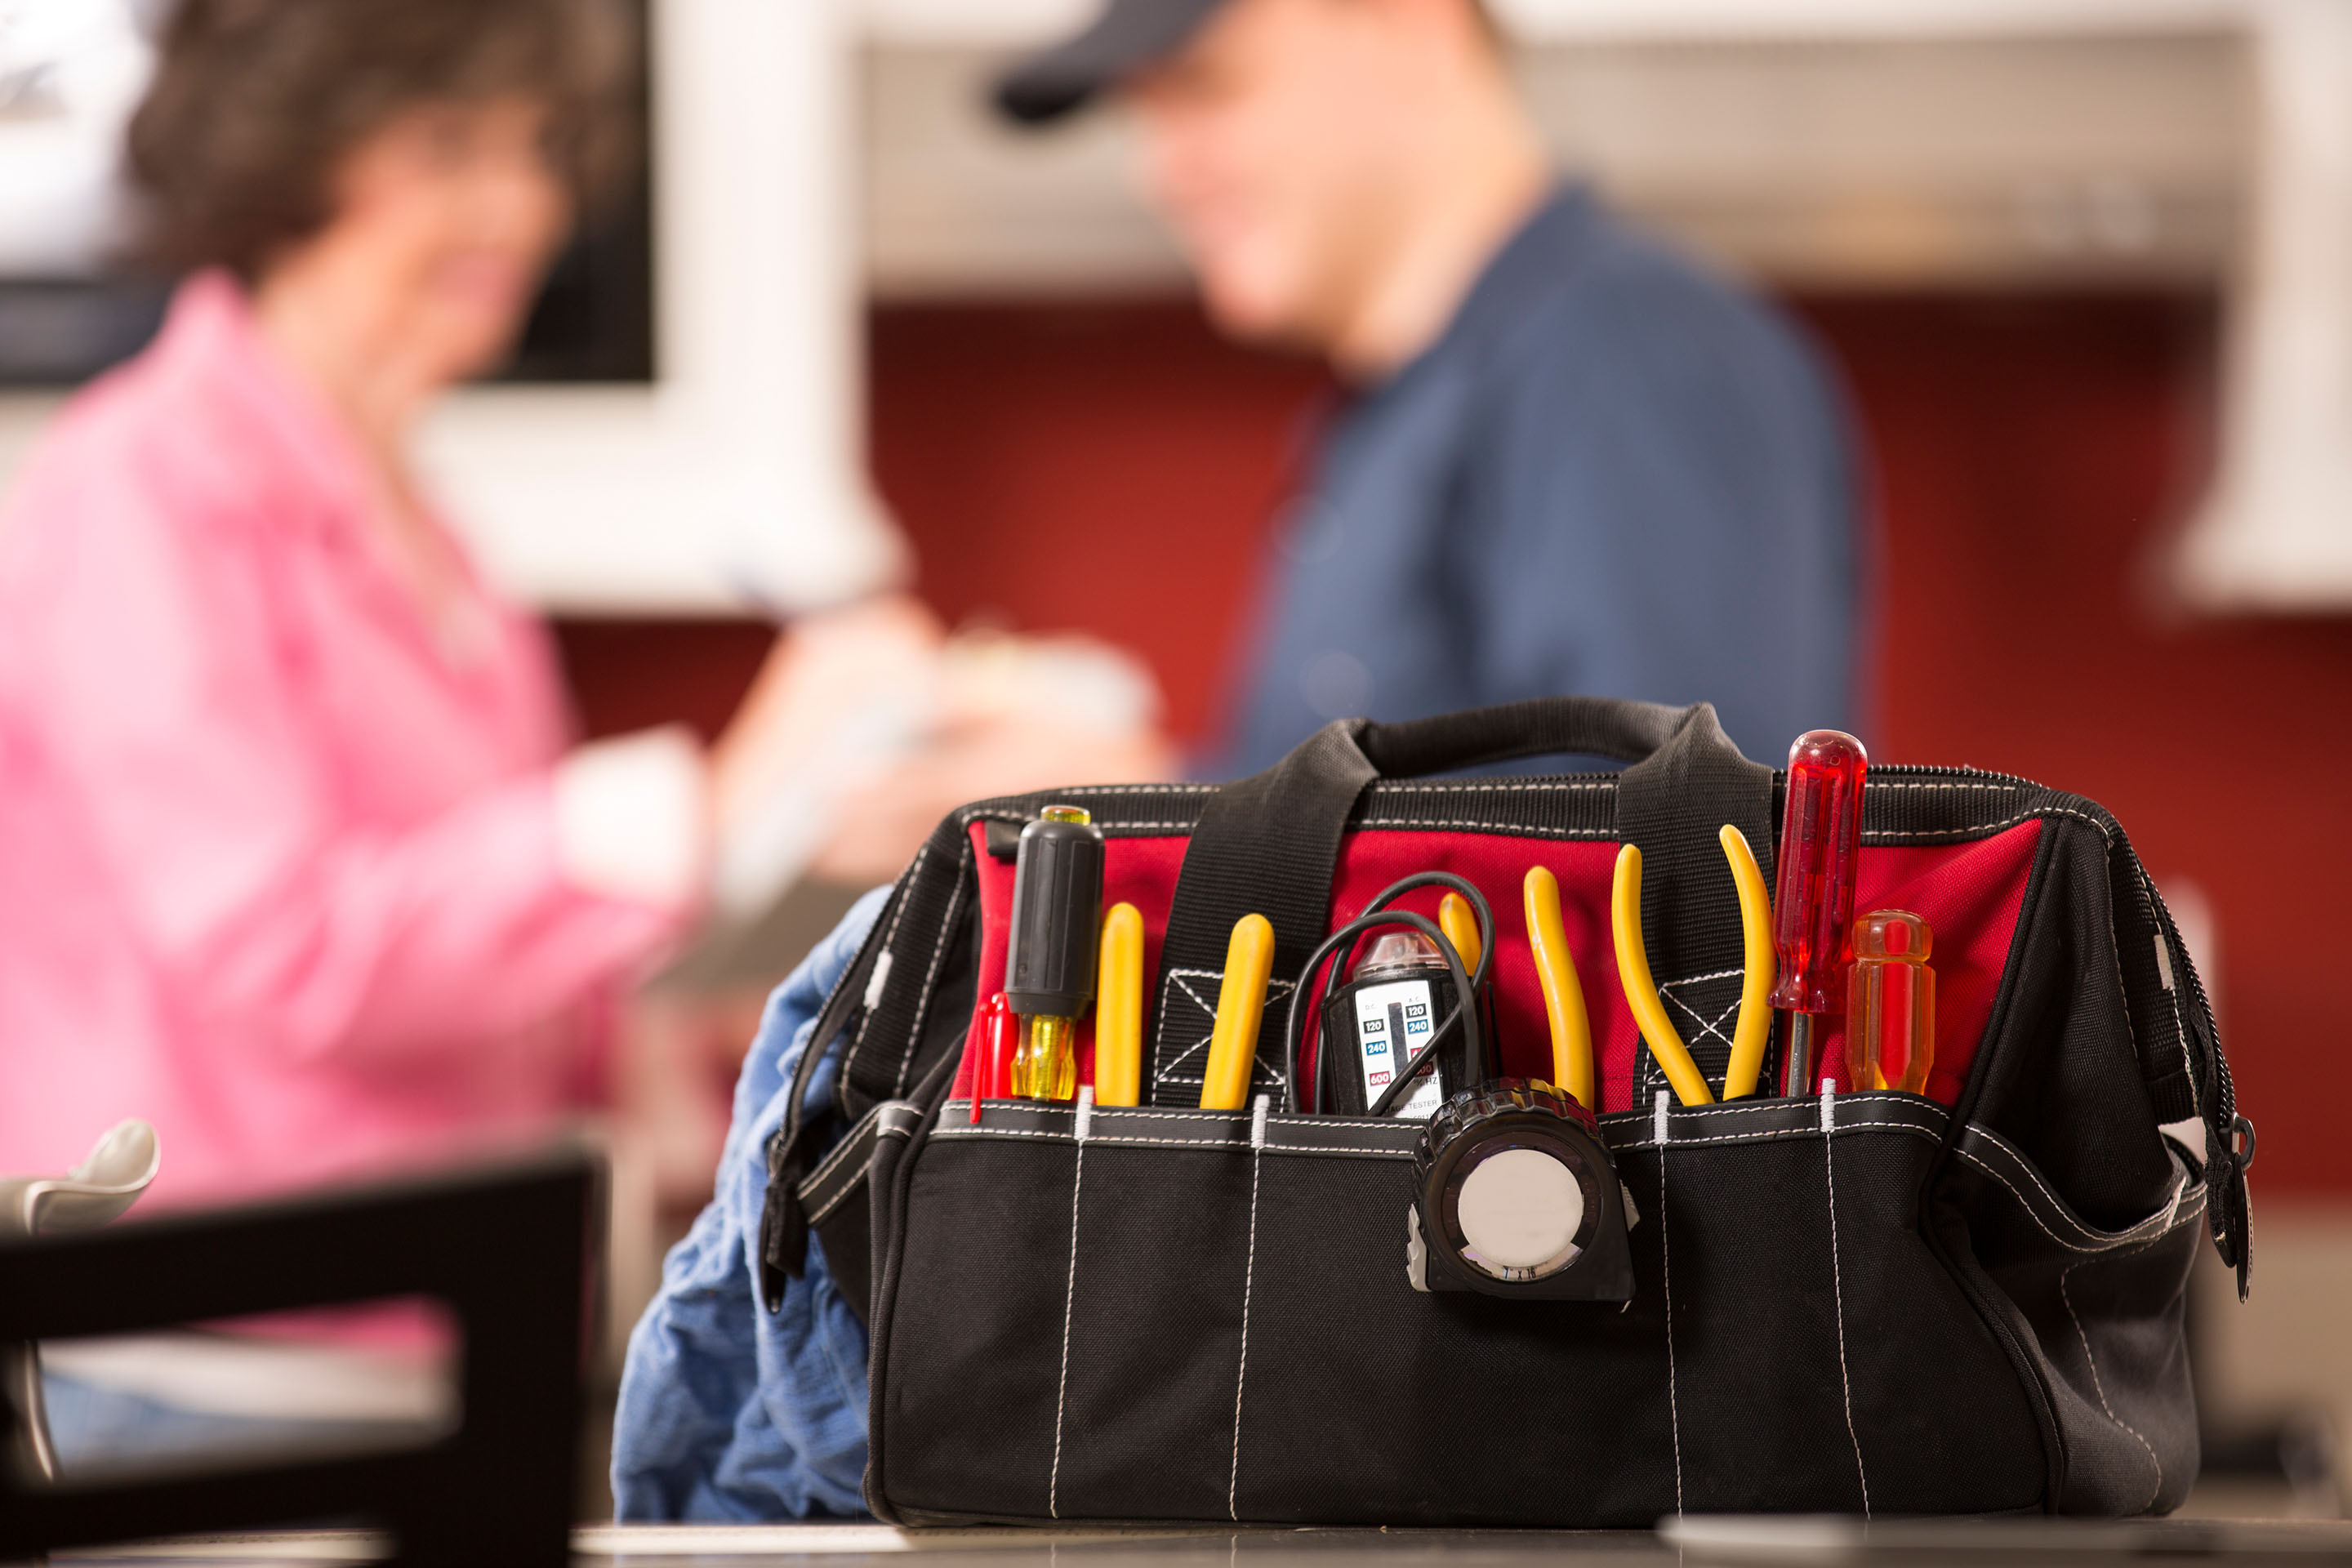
<point x="278" y="856"/>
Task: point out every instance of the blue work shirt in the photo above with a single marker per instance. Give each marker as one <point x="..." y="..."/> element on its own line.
<point x="729" y="1412"/>
<point x="1612" y="475"/>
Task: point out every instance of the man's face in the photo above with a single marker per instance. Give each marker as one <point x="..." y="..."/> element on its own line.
<point x="1265" y="145"/>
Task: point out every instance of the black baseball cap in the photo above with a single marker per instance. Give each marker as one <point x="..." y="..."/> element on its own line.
<point x="1127" y="36"/>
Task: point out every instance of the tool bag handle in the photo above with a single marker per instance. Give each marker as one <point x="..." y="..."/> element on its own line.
<point x="1270" y="843"/>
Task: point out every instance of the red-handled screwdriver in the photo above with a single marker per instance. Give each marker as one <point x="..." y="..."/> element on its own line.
<point x="1812" y="913"/>
<point x="992" y="1046"/>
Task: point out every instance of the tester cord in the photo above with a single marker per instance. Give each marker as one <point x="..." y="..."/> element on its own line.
<point x="1467" y="988"/>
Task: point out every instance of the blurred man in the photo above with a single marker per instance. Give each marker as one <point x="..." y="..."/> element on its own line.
<point x="1571" y="460"/>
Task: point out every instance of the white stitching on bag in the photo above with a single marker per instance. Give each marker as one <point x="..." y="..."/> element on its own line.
<point x="1779" y="1106"/>
<point x="1220" y="1144"/>
<point x="1907" y="835"/>
<point x="1141" y="789"/>
<point x="889" y="943"/>
<point x="1070" y="1305"/>
<point x="1123" y="1112"/>
<point x="1176" y="977"/>
<point x="1276" y="988"/>
<point x="1910" y="1126"/>
<point x="938" y="951"/>
<point x="1515" y="829"/>
<point x="1705" y="1027"/>
<point x="1402" y="786"/>
<point x="1837" y="1282"/>
<point x="1658" y="1112"/>
<point x="2169" y="1215"/>
<point x="1249" y="1280"/>
<point x="825" y="1167"/>
<point x="2065" y="1210"/>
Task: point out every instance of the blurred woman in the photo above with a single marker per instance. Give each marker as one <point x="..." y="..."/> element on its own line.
<point x="296" y="860"/>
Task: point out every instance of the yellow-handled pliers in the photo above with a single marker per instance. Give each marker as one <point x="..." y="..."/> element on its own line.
<point x="1572" y="1031"/>
<point x="1754" y="1028"/>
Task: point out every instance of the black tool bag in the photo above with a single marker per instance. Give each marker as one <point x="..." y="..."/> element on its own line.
<point x="1965" y="1301"/>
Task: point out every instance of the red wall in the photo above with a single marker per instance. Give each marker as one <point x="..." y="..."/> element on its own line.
<point x="2032" y="461"/>
<point x="1114" y="468"/>
<point x="1107" y="469"/>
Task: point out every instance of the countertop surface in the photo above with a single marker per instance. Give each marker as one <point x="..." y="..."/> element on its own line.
<point x="1692" y="1540"/>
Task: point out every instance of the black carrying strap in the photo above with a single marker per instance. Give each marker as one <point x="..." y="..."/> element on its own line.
<point x="1267" y="844"/>
<point x="1270" y="843"/>
<point x="1674" y="806"/>
<point x="1577" y="726"/>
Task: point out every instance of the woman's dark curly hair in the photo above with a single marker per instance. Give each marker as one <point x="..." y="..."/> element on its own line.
<point x="255" y="102"/>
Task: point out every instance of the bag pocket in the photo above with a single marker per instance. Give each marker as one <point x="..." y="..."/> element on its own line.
<point x="1177" y="1322"/>
<point x="1822" y="1356"/>
<point x="838" y="1199"/>
<point x="2101" y="1315"/>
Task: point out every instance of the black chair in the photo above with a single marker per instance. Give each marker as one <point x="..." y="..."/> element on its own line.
<point x="505" y="1250"/>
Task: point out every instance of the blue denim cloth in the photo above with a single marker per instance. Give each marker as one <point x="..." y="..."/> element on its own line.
<point x="729" y="1412"/>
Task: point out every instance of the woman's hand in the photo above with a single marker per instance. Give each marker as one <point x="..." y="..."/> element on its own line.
<point x="1005" y="754"/>
<point x="868" y="724"/>
<point x="822" y="677"/>
<point x="1013" y="714"/>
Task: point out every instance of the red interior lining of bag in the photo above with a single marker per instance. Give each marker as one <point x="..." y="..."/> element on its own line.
<point x="1970" y="894"/>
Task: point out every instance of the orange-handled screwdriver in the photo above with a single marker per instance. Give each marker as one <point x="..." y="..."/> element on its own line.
<point x="1890" y="1010"/>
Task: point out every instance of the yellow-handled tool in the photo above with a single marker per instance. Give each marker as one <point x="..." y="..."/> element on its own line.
<point x="1240" y="1002"/>
<point x="1754" y="1030"/>
<point x="1572" y="1030"/>
<point x="1640" y="991"/>
<point x="1118" y="1008"/>
<point x="1460" y="924"/>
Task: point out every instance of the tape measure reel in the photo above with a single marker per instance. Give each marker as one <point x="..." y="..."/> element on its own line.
<point x="1515" y="1196"/>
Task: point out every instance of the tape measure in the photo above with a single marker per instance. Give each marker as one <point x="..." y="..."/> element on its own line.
<point x="1515" y="1196"/>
